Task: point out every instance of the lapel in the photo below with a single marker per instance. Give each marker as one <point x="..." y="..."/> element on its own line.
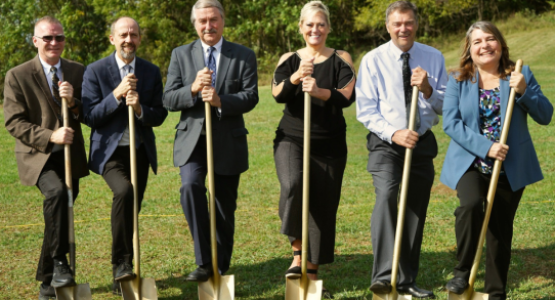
<point x="140" y="75"/>
<point x="225" y="59"/>
<point x="113" y="71"/>
<point x="198" y="56"/>
<point x="42" y="82"/>
<point x="67" y="73"/>
<point x="505" y="90"/>
<point x="470" y="102"/>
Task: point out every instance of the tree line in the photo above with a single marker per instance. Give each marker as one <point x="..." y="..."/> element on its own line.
<point x="269" y="27"/>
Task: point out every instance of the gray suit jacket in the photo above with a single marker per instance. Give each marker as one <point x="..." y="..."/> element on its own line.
<point x="237" y="87"/>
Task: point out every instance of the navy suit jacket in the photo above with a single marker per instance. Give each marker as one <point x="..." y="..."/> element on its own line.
<point x="237" y="87"/>
<point x="461" y="121"/>
<point x="108" y="119"/>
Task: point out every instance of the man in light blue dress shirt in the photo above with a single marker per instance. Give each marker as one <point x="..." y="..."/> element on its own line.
<point x="382" y="108"/>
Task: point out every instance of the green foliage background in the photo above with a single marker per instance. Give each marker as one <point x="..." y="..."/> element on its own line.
<point x="269" y="27"/>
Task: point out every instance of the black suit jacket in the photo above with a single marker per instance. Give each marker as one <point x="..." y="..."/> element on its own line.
<point x="108" y="119"/>
<point x="237" y="87"/>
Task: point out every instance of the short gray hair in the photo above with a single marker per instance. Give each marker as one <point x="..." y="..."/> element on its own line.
<point x="206" y="4"/>
<point x="49" y="20"/>
<point x="402" y="6"/>
<point x="315" y="6"/>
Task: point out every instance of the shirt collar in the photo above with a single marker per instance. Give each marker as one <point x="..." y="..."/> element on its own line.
<point x="396" y="52"/>
<point x="47" y="67"/>
<point x="121" y="63"/>
<point x="218" y="45"/>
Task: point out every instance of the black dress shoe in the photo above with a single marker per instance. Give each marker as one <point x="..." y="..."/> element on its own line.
<point x="116" y="288"/>
<point x="416" y="292"/>
<point x="47" y="292"/>
<point x="62" y="276"/>
<point x="326" y="294"/>
<point x="457" y="285"/>
<point x="201" y="274"/>
<point x="293" y="273"/>
<point x="124" y="271"/>
<point x="381" y="287"/>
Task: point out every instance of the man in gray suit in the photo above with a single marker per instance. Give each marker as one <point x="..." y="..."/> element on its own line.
<point x="230" y="86"/>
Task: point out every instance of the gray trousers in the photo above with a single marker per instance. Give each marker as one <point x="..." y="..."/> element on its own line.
<point x="385" y="163"/>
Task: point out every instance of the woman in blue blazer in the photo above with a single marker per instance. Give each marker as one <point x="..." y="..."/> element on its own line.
<point x="473" y="113"/>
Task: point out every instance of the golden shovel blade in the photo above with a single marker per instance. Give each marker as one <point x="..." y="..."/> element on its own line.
<point x="293" y="290"/>
<point x="130" y="289"/>
<point x="469" y="294"/>
<point x="392" y="296"/>
<point x="226" y="290"/>
<point x="76" y="292"/>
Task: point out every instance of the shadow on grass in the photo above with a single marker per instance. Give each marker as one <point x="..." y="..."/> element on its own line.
<point x="349" y="277"/>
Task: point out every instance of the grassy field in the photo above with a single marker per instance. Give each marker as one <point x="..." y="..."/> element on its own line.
<point x="261" y="254"/>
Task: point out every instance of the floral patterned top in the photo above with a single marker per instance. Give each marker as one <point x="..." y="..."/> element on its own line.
<point x="490" y="124"/>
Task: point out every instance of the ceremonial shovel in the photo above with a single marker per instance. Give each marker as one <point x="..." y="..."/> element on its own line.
<point x="79" y="291"/>
<point x="304" y="288"/>
<point x="469" y="293"/>
<point x="218" y="287"/>
<point x="137" y="288"/>
<point x="393" y="295"/>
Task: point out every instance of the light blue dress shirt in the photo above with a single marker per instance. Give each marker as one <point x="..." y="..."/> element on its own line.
<point x="380" y="96"/>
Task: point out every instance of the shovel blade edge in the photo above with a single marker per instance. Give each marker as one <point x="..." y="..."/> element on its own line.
<point x="130" y="289"/>
<point x="293" y="290"/>
<point x="207" y="290"/>
<point x="76" y="292"/>
<point x="468" y="295"/>
<point x="391" y="296"/>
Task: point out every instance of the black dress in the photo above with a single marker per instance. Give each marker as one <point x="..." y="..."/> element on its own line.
<point x="328" y="153"/>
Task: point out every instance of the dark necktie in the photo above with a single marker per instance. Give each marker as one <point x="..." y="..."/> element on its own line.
<point x="212" y="64"/>
<point x="408" y="89"/>
<point x="55" y="88"/>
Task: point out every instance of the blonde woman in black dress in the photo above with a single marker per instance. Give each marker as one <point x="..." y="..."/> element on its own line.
<point x="331" y="87"/>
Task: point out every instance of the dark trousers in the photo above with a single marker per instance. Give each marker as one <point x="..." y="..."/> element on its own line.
<point x="326" y="177"/>
<point x="385" y="163"/>
<point x="195" y="207"/>
<point x="51" y="184"/>
<point x="472" y="191"/>
<point x="117" y="174"/>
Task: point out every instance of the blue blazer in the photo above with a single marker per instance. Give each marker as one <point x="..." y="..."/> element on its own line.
<point x="461" y="121"/>
<point x="108" y="119"/>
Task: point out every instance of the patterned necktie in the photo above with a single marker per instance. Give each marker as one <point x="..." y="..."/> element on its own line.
<point x="55" y="88"/>
<point x="212" y="64"/>
<point x="126" y="70"/>
<point x="408" y="89"/>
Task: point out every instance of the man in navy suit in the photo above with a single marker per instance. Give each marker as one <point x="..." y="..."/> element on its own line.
<point x="109" y="86"/>
<point x="230" y="86"/>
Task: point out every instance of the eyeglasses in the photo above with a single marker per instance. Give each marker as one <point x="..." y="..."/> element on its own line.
<point x="49" y="38"/>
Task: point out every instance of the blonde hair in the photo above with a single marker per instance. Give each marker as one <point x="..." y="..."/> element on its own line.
<point x="314" y="7"/>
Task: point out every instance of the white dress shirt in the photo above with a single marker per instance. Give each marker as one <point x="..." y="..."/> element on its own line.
<point x="380" y="98"/>
<point x="125" y="137"/>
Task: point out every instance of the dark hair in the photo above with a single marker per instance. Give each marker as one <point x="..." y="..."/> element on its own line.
<point x="467" y="68"/>
<point x="402" y="6"/>
<point x="113" y="26"/>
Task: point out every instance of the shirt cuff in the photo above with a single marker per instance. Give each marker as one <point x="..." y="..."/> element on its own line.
<point x="388" y="134"/>
<point x="117" y="101"/>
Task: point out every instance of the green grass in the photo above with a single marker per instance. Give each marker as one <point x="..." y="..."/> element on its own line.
<point x="261" y="253"/>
